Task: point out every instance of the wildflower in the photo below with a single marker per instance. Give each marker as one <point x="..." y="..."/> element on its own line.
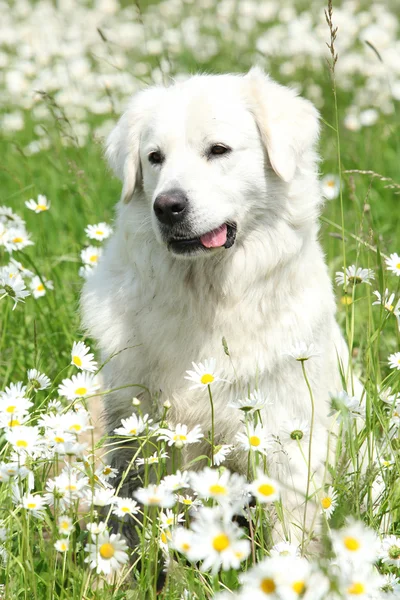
<point x="62" y="545"/>
<point x="14" y="406"/>
<point x="14" y="390"/>
<point x="180" y="436"/>
<point x="106" y="472"/>
<point x="125" y="506"/>
<point x="328" y="501"/>
<point x="393" y="263"/>
<point x="133" y="426"/>
<point x="169" y="518"/>
<point x="90" y="255"/>
<point x="100" y="497"/>
<point x="285" y="549"/>
<point x="277" y="577"/>
<point x="330" y="186"/>
<point x="24" y="439"/>
<point x="190" y="502"/>
<point x="355" y="543"/>
<point x="226" y="488"/>
<point x="108" y="554"/>
<point x="98" y="232"/>
<point x="39" y="285"/>
<point x="16" y="239"/>
<point x="34" y="504"/>
<point x="39" y="205"/>
<point x="176" y="481"/>
<point x="81" y="358"/>
<point x="78" y="386"/>
<point x="255" y="438"/>
<point x="217" y="541"/>
<point x="96" y="528"/>
<point x="155" y="495"/>
<point x="77" y="421"/>
<point x="348" y="407"/>
<point x="395" y="415"/>
<point x="56" y="439"/>
<point x="14" y="420"/>
<point x="389" y="551"/>
<point x="387" y="301"/>
<point x="182" y="541"/>
<point x="15" y="289"/>
<point x="66" y="488"/>
<point x="17" y="267"/>
<point x="152" y="460"/>
<point x="204" y="374"/>
<point x="362" y="583"/>
<point x="255" y="401"/>
<point x="65" y="525"/>
<point x="221" y="452"/>
<point x="8" y="217"/>
<point x="391" y="585"/>
<point x="301" y="351"/>
<point x="354" y="275"/>
<point x="294" y="432"/>
<point x="394" y="361"/>
<point x="38" y="381"/>
<point x="264" y="488"/>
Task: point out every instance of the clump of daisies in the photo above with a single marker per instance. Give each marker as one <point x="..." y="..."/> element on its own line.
<point x="91" y="254"/>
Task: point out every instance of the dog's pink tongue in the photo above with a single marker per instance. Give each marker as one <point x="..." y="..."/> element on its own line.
<point x="215" y="238"/>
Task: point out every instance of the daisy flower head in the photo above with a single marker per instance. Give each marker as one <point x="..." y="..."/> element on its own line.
<point x="96" y="528"/>
<point x="355" y="543"/>
<point x="364" y="583"/>
<point x="133" y="426"/>
<point x="203" y="375"/>
<point x="91" y="255"/>
<point x="393" y="263"/>
<point x="389" y="551"/>
<point x="330" y="186"/>
<point x="264" y="488"/>
<point x="80" y="385"/>
<point x="302" y="351"/>
<point x="394" y="361"/>
<point x="391" y="586"/>
<point x="155" y="495"/>
<point x="65" y="525"/>
<point x="125" y="507"/>
<point x="354" y="275"/>
<point x="34" y="504"/>
<point x="39" y="205"/>
<point x="100" y="496"/>
<point x="10" y="406"/>
<point x="217" y="541"/>
<point x="10" y="218"/>
<point x="182" y="541"/>
<point x="224" y="487"/>
<point x="347" y="407"/>
<point x="279" y="577"/>
<point x="294" y="431"/>
<point x="387" y="301"/>
<point x="13" y="420"/>
<point x="395" y="415"/>
<point x="169" y="518"/>
<point x="176" y="481"/>
<point x="82" y="358"/>
<point x="328" y="501"/>
<point x="15" y="289"/>
<point x="77" y="421"/>
<point x="13" y="391"/>
<point x="221" y="453"/>
<point x="285" y="549"/>
<point x="39" y="285"/>
<point x="62" y="545"/>
<point x="256" y="438"/>
<point x="38" y="381"/>
<point x="255" y="401"/>
<point x="106" y="472"/>
<point x="108" y="554"/>
<point x="180" y="436"/>
<point x="153" y="459"/>
<point x="24" y="439"/>
<point x="16" y="238"/>
<point x="17" y="267"/>
<point x="98" y="232"/>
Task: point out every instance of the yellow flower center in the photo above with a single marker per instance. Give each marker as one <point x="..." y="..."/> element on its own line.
<point x="221" y="542"/>
<point x="14" y="423"/>
<point x="93" y="258"/>
<point x="266" y="489"/>
<point x="207" y="378"/>
<point x="107" y="550"/>
<point x="21" y="444"/>
<point x="10" y="409"/>
<point x="180" y="437"/>
<point x="398" y="266"/>
<point x="351" y="543"/>
<point x="40" y="287"/>
<point x="133" y="431"/>
<point x="70" y="487"/>
<point x="63" y="546"/>
<point x="267" y="585"/>
<point x="254" y="440"/>
<point x="326" y="502"/>
<point x="59" y="439"/>
<point x="154" y="500"/>
<point x="106" y="471"/>
<point x="298" y="587"/>
<point x="64" y="525"/>
<point x="99" y="232"/>
<point x="163" y="538"/>
<point x="41" y="207"/>
<point x="125" y="509"/>
<point x="81" y="391"/>
<point x="18" y="240"/>
<point x="330" y="183"/>
<point x="185" y="546"/>
<point x="346" y="300"/>
<point x="187" y="501"/>
<point x="76" y="427"/>
<point x="77" y="361"/>
<point x="217" y="489"/>
<point x="357" y="589"/>
<point x="31" y="505"/>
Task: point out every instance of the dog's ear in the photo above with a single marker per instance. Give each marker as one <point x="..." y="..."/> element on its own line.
<point x="288" y="124"/>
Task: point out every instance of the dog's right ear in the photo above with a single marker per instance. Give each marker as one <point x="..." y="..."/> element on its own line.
<point x="122" y="146"/>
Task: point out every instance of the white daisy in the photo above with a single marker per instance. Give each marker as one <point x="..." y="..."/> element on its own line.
<point x="389" y="551"/>
<point x="347" y="407"/>
<point x="100" y="497"/>
<point x="285" y="549"/>
<point x="34" y="504"/>
<point x="153" y="459"/>
<point x="106" y="472"/>
<point x="221" y="452"/>
<point x="226" y="488"/>
<point x="108" y="554"/>
<point x="18" y="267"/>
<point x="182" y="541"/>
<point x="90" y="255"/>
<point x="15" y="289"/>
<point x="96" y="528"/>
<point x="256" y="438"/>
<point x="294" y="431"/>
<point x="394" y="361"/>
<point x="301" y="351"/>
<point x="180" y="436"/>
<point x="82" y="358"/>
<point x="354" y="275"/>
<point x="39" y="205"/>
<point x="328" y="501"/>
<point x="78" y="386"/>
<point x="10" y="218"/>
<point x="14" y="406"/>
<point x="39" y="286"/>
<point x="363" y="583"/>
<point x="16" y="238"/>
<point x="38" y="381"/>
<point x="13" y="420"/>
<point x="65" y="525"/>
<point x="176" y="481"/>
<point x="255" y="401"/>
<point x="125" y="507"/>
<point x="77" y="421"/>
<point x="133" y="426"/>
<point x="62" y="545"/>
<point x="155" y="495"/>
<point x="24" y="439"/>
<point x="355" y="543"/>
<point x="204" y="374"/>
<point x="169" y="518"/>
<point x="395" y="415"/>
<point x="387" y="301"/>
<point x="330" y="186"/>
<point x="98" y="232"/>
<point x="279" y="577"/>
<point x="14" y="391"/>
<point x="393" y="263"/>
<point x="264" y="488"/>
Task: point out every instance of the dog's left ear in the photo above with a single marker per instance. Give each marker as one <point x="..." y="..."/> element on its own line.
<point x="288" y="124"/>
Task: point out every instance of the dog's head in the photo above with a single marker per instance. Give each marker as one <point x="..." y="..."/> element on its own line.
<point x="205" y="155"/>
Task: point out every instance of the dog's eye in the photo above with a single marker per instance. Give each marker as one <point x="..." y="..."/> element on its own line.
<point x="218" y="150"/>
<point x="156" y="158"/>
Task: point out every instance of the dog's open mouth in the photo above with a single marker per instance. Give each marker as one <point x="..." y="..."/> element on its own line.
<point x="222" y="237"/>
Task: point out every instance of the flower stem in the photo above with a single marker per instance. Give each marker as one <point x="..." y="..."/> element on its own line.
<point x="309" y="454"/>
<point x="212" y="425"/>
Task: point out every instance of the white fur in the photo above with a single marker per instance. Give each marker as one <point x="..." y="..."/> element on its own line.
<point x="270" y="290"/>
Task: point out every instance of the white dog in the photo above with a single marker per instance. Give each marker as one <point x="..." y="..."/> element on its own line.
<point x="216" y="237"/>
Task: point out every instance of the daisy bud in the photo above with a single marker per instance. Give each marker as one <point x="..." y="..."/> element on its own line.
<point x="167" y="404"/>
<point x="135" y="401"/>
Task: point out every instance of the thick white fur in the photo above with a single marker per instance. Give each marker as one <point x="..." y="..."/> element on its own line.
<point x="266" y="293"/>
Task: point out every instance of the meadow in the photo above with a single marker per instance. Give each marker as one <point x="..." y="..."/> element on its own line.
<point x="67" y="70"/>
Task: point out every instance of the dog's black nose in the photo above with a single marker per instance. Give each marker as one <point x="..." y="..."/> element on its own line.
<point x="170" y="207"/>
